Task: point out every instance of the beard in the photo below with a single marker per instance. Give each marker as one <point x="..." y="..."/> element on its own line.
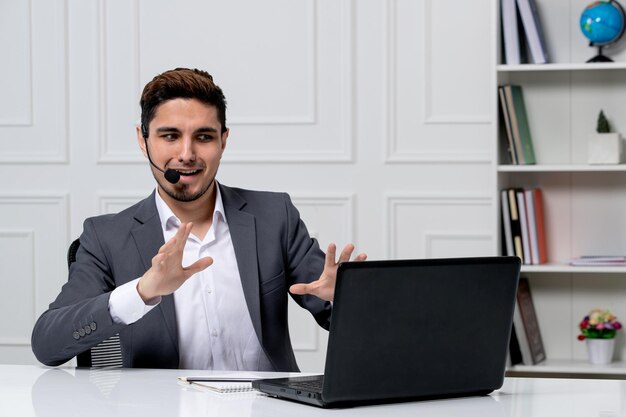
<point x="180" y="192"/>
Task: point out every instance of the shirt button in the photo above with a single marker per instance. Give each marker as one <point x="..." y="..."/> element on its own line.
<point x="214" y="333"/>
<point x="209" y="291"/>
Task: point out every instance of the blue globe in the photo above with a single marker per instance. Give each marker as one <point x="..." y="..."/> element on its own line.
<point x="602" y="22"/>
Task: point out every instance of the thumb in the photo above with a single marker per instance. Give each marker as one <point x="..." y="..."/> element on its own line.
<point x="299" y="289"/>
<point x="200" y="265"/>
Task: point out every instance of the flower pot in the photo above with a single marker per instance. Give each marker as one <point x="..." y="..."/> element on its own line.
<point x="605" y="148"/>
<point x="600" y="351"/>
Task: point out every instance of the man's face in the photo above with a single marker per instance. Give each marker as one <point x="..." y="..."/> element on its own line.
<point x="185" y="135"/>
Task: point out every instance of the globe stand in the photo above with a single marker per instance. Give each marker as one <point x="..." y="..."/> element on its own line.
<point x="599" y="57"/>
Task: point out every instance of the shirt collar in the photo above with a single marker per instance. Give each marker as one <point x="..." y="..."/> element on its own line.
<point x="169" y="219"/>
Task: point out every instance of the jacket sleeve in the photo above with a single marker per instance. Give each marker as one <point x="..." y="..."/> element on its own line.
<point x="305" y="263"/>
<point x="79" y="317"/>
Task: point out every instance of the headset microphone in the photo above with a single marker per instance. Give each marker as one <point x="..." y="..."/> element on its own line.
<point x="171" y="175"/>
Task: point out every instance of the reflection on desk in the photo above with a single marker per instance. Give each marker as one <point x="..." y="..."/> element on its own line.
<point x="45" y="392"/>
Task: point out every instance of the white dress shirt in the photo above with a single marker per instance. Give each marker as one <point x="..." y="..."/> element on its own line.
<point x="214" y="326"/>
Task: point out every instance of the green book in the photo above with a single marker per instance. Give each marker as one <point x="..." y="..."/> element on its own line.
<point x="521" y="128"/>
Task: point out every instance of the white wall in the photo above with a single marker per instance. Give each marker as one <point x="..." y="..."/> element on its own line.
<point x="375" y="115"/>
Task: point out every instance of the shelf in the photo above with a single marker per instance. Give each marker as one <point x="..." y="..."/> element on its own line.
<point x="562" y="168"/>
<point x="564" y="268"/>
<point x="564" y="368"/>
<point x="562" y="67"/>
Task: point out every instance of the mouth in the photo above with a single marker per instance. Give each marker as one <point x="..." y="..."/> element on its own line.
<point x="188" y="172"/>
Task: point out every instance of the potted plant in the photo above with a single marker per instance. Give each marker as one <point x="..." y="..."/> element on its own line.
<point x="605" y="147"/>
<point x="598" y="329"/>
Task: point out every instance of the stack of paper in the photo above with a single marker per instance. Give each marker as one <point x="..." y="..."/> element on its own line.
<point x="601" y="260"/>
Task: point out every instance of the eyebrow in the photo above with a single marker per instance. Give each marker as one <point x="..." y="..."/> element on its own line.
<point x="206" y="129"/>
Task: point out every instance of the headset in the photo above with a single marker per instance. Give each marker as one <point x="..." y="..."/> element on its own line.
<point x="171" y="175"/>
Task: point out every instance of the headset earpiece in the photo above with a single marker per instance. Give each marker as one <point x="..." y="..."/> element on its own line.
<point x="144" y="131"/>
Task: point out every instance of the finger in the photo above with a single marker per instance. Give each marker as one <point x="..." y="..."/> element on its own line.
<point x="346" y="252"/>
<point x="361" y="257"/>
<point x="157" y="260"/>
<point x="168" y="245"/>
<point x="200" y="265"/>
<point x="182" y="234"/>
<point x="331" y="252"/>
<point x="301" y="289"/>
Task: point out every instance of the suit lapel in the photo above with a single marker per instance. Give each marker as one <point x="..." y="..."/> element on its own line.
<point x="148" y="236"/>
<point x="243" y="235"/>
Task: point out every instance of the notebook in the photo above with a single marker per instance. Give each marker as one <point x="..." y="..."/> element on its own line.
<point x="220" y="383"/>
<point x="412" y="329"/>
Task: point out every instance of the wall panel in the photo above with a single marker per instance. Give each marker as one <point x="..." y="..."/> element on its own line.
<point x="33" y="104"/>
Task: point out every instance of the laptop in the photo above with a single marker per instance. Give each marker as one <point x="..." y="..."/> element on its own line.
<point x="404" y="330"/>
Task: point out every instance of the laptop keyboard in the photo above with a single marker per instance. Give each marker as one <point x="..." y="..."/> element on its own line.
<point x="307" y="383"/>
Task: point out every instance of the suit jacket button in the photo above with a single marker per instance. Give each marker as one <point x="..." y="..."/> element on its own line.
<point x="87" y="329"/>
<point x="81" y="332"/>
<point x="93" y="325"/>
<point x="75" y="335"/>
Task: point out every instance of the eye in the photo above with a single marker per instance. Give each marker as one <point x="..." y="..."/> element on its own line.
<point x="169" y="136"/>
<point x="205" y="138"/>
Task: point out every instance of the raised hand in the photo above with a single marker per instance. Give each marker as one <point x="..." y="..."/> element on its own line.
<point x="324" y="287"/>
<point x="167" y="273"/>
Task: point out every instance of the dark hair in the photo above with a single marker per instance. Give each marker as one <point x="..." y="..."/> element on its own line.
<point x="181" y="83"/>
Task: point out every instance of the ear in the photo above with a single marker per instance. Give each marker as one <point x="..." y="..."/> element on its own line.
<point x="224" y="139"/>
<point x="141" y="141"/>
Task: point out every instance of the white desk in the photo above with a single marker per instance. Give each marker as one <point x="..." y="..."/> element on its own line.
<point x="43" y="392"/>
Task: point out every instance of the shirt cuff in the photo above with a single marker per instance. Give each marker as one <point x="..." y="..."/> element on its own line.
<point x="126" y="305"/>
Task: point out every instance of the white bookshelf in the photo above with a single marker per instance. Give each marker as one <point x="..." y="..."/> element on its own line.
<point x="584" y="205"/>
<point x="568" y="368"/>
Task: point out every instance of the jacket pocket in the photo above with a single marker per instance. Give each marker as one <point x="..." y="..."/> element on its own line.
<point x="273" y="284"/>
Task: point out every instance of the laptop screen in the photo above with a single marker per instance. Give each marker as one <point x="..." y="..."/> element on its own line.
<point x="408" y="328"/>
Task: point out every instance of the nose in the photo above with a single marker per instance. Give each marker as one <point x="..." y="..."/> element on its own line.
<point x="187" y="152"/>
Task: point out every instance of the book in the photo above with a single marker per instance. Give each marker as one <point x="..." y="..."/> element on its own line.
<point x="519" y="124"/>
<point x="508" y="94"/>
<point x="598" y="260"/>
<point x="523" y="217"/>
<point x="516" y="228"/>
<point x="504" y="112"/>
<point x="536" y="226"/>
<point x="515" y="354"/>
<point x="529" y="197"/>
<point x="525" y="318"/>
<point x="510" y="32"/>
<point x="533" y="30"/>
<point x="506" y="224"/>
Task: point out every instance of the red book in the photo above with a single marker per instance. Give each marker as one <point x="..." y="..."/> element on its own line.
<point x="541" y="230"/>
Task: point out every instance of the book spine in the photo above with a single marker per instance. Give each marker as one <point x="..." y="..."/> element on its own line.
<point x="530" y="323"/>
<point x="516" y="229"/>
<point x="520" y="333"/>
<point x="523" y="127"/>
<point x="508" y="93"/>
<point x="533" y="30"/>
<point x="507" y="126"/>
<point x="532" y="225"/>
<point x="542" y="247"/>
<point x="523" y="218"/>
<point x="510" y="32"/>
<point x="506" y="224"/>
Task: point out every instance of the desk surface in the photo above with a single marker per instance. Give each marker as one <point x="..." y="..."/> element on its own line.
<point x="43" y="392"/>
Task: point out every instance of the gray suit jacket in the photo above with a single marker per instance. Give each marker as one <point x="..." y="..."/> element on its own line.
<point x="273" y="251"/>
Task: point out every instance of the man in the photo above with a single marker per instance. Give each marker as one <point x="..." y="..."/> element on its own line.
<point x="196" y="275"/>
